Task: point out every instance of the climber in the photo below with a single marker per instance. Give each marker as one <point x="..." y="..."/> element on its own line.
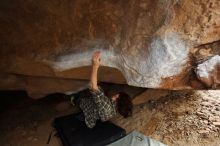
<point x="95" y="105"/>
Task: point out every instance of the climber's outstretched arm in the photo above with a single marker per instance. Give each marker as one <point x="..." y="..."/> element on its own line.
<point x="96" y="60"/>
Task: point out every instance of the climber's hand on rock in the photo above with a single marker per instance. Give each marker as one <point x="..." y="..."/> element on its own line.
<point x="96" y="59"/>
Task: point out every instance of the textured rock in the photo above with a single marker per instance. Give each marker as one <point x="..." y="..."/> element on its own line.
<point x="38" y="87"/>
<point x="149" y="42"/>
<point x="209" y="72"/>
<point x="149" y="94"/>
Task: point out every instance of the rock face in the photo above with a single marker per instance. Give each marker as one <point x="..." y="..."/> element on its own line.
<point x="151" y="44"/>
<point x="209" y="72"/>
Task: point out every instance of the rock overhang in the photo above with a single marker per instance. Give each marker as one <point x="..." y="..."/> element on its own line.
<point x="149" y="42"/>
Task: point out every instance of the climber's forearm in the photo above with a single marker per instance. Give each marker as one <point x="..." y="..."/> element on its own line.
<point x="96" y="59"/>
<point x="93" y="80"/>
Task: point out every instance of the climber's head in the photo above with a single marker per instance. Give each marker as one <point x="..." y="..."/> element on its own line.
<point x="123" y="103"/>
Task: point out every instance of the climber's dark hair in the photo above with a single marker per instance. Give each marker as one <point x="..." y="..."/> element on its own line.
<point x="124" y="105"/>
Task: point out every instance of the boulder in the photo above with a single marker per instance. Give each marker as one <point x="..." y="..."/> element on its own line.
<point x="209" y="72"/>
<point x="150" y="44"/>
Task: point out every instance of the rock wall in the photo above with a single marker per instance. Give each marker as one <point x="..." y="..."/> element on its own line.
<point x="151" y="44"/>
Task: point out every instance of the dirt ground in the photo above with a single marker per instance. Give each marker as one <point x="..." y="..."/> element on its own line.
<point x="189" y="118"/>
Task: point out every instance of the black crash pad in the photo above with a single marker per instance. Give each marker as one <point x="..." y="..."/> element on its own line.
<point x="73" y="132"/>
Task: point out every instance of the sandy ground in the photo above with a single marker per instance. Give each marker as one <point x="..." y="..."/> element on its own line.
<point x="178" y="119"/>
